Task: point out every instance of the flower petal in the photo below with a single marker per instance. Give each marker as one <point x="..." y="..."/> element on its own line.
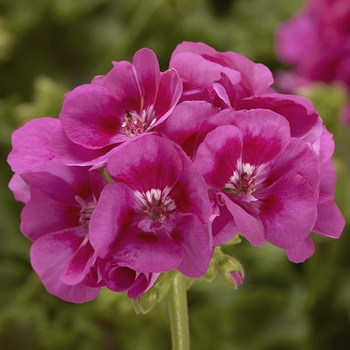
<point x="224" y="227"/>
<point x="111" y="217"/>
<point x="149" y="162"/>
<point x="330" y="221"/>
<point x="122" y="84"/>
<point x="50" y="255"/>
<point x="31" y="144"/>
<point x="217" y="155"/>
<point x="297" y="156"/>
<point x="198" y="71"/>
<point x="302" y="251"/>
<point x="190" y="192"/>
<point x="91" y="117"/>
<point x="118" y="278"/>
<point x="79" y="266"/>
<point x="184" y="122"/>
<point x="42" y="215"/>
<point x="148" y="75"/>
<point x="148" y="252"/>
<point x="19" y="188"/>
<point x="59" y="182"/>
<point x="168" y="95"/>
<point x="248" y="223"/>
<point x="288" y="210"/>
<point x="71" y="153"/>
<point x="144" y="282"/>
<point x="196" y="244"/>
<point x="299" y="111"/>
<point x="265" y="135"/>
<point x="255" y="77"/>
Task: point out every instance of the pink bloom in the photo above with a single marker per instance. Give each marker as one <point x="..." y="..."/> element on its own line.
<point x="192" y="156"/>
<point x="154" y="217"/>
<point x="266" y="180"/>
<point x="306" y="124"/>
<point x="56" y="219"/>
<point x="316" y="41"/>
<point x="130" y="100"/>
<point x="219" y="77"/>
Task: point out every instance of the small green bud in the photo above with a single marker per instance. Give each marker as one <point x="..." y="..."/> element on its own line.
<point x="212" y="270"/>
<point x="231" y="271"/>
<point x="146" y="301"/>
<point x="162" y="285"/>
<point x="234" y="240"/>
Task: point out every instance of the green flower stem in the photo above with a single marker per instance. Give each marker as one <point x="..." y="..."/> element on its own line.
<point x="177" y="301"/>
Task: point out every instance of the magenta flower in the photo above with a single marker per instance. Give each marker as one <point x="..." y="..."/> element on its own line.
<point x="316" y="41"/>
<point x="306" y="124"/>
<point x="218" y="77"/>
<point x="155" y="217"/>
<point x="56" y="219"/>
<point x="146" y="172"/>
<point x="130" y="100"/>
<point x="266" y="180"/>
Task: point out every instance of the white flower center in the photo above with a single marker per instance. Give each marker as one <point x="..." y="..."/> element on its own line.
<point x="135" y="124"/>
<point x="243" y="180"/>
<point x="86" y="210"/>
<point x="156" y="203"/>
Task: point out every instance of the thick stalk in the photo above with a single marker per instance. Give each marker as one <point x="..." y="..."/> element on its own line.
<point x="177" y="301"/>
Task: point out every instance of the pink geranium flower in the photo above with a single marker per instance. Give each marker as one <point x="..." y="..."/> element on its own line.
<point x="132" y="99"/>
<point x="155" y="216"/>
<point x="146" y="171"/>
<point x="316" y="41"/>
<point x="56" y="219"/>
<point x="265" y="180"/>
<point x="218" y="77"/>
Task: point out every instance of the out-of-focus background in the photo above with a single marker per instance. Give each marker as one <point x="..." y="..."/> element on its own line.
<point x="49" y="47"/>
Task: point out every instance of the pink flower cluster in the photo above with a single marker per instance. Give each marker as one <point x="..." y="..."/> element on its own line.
<point x="316" y="43"/>
<point x="146" y="172"/>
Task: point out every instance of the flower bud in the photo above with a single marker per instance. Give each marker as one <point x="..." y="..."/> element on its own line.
<point x="231" y="271"/>
<point x="212" y="270"/>
<point x="146" y="301"/>
<point x="162" y="285"/>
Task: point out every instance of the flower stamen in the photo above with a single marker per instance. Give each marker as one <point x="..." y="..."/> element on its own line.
<point x="135" y="124"/>
<point x="243" y="180"/>
<point x="156" y="203"/>
<point x="86" y="211"/>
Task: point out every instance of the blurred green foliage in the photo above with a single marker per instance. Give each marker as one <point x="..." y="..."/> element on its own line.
<point x="49" y="47"/>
